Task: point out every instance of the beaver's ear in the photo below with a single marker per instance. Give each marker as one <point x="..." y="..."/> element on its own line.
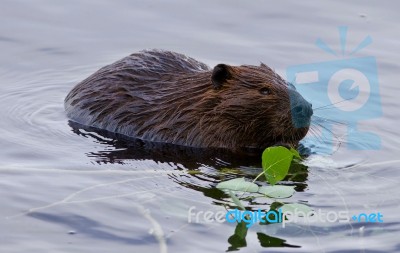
<point x="221" y="73"/>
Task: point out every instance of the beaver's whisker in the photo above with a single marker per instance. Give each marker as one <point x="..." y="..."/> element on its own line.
<point x="330" y="131"/>
<point x="341" y="101"/>
<point x="323" y="119"/>
<point x="316" y="135"/>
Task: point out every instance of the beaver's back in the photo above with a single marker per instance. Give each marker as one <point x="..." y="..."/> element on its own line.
<point x="113" y="94"/>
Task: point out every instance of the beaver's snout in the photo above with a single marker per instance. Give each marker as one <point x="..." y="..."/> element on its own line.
<point x="301" y="109"/>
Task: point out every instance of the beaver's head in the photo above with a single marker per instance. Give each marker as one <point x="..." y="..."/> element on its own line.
<point x="257" y="104"/>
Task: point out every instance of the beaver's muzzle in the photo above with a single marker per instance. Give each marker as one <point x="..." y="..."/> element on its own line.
<point x="300" y="109"/>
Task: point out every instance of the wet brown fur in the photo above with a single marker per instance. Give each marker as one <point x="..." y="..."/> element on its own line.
<point x="163" y="96"/>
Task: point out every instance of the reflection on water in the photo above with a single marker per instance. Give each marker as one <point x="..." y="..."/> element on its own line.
<point x="221" y="165"/>
<point x="121" y="149"/>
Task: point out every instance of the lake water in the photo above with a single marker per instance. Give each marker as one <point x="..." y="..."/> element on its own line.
<point x="66" y="189"/>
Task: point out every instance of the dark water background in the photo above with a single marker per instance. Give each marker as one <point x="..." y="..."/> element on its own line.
<point x="65" y="189"/>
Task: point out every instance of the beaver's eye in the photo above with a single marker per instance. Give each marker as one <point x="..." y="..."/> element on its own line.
<point x="265" y="91"/>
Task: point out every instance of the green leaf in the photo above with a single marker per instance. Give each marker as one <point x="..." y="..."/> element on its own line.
<point x="277" y="191"/>
<point x="238" y="184"/>
<point x="267" y="241"/>
<point x="275" y="206"/>
<point x="238" y="239"/>
<point x="276" y="162"/>
<point x="230" y="171"/>
<point x="295" y="153"/>
<point x="194" y="172"/>
<point x="237" y="201"/>
<point x="292" y="208"/>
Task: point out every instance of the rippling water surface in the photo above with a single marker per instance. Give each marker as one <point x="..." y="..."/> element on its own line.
<point x="68" y="189"/>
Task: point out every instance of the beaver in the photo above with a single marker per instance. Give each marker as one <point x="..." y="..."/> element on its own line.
<point x="167" y="97"/>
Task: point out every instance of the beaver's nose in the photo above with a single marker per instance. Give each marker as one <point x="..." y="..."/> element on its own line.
<point x="301" y="110"/>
